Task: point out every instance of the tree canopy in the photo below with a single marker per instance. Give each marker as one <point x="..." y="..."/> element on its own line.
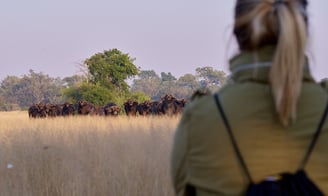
<point x="31" y="88"/>
<point x="210" y="78"/>
<point x="156" y="86"/>
<point x="111" y="68"/>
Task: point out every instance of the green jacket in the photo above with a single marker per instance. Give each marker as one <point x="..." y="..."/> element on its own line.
<point x="202" y="152"/>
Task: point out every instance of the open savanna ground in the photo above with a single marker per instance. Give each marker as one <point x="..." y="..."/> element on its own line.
<point x="85" y="155"/>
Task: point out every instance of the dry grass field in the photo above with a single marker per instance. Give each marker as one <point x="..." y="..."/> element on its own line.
<point x="85" y="156"/>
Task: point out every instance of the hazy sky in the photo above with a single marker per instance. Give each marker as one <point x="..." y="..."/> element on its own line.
<point x="54" y="36"/>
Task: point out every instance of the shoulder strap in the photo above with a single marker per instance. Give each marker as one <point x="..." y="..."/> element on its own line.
<point x="232" y="138"/>
<point x="314" y="139"/>
<point x="237" y="151"/>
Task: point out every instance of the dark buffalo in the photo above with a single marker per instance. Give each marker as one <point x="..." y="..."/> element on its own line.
<point x="68" y="109"/>
<point x="155" y="108"/>
<point x="171" y="106"/>
<point x="168" y="104"/>
<point x="33" y="111"/>
<point x="53" y="110"/>
<point x="130" y="107"/>
<point x="111" y="109"/>
<point x="38" y="110"/>
<point x="144" y="108"/>
<point x="180" y="104"/>
<point x="43" y="110"/>
<point x="86" y="108"/>
<point x="100" y="110"/>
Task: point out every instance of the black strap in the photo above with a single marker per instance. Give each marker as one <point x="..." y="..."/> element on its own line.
<point x="234" y="143"/>
<point x="315" y="138"/>
<point x="237" y="151"/>
<point x="190" y="190"/>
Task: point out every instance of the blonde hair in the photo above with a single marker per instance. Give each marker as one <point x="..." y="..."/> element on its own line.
<point x="283" y="23"/>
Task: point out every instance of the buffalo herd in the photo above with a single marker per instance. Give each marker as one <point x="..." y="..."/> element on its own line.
<point x="167" y="105"/>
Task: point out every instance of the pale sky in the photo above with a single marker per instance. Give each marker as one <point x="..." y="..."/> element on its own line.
<point x="177" y="36"/>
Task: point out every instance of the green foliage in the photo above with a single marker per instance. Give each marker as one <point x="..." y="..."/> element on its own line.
<point x="96" y="94"/>
<point x="72" y="94"/>
<point x="111" y="68"/>
<point x="140" y="97"/>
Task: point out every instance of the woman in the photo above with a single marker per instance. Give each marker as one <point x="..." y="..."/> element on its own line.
<point x="273" y="106"/>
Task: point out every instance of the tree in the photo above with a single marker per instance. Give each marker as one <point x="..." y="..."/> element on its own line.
<point x="140" y="97"/>
<point x="148" y="75"/>
<point x="210" y="78"/>
<point x="75" y="80"/>
<point x="188" y="81"/>
<point x="31" y="88"/>
<point x="9" y="93"/>
<point x="167" y="77"/>
<point x="84" y="71"/>
<point x="39" y="87"/>
<point x="147" y="82"/>
<point x="187" y="85"/>
<point x="96" y="94"/>
<point x="93" y="93"/>
<point x="111" y="68"/>
<point x="2" y="103"/>
<point x="168" y="84"/>
<point x="9" y="87"/>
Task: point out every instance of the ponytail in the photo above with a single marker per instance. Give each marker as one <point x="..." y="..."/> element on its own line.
<point x="282" y="23"/>
<point x="287" y="68"/>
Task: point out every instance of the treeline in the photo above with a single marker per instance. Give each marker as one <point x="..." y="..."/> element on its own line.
<point x="104" y="78"/>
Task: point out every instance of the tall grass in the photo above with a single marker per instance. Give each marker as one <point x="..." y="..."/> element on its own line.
<point x="85" y="155"/>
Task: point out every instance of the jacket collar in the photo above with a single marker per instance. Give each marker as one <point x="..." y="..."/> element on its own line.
<point x="255" y="66"/>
